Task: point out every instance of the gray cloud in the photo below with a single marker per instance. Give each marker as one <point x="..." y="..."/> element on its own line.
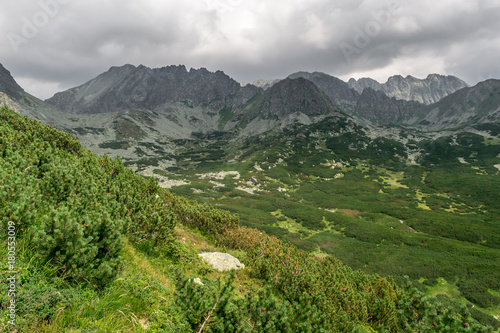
<point x="75" y="40"/>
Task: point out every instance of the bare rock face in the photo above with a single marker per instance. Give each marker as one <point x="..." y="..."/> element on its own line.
<point x="221" y="261"/>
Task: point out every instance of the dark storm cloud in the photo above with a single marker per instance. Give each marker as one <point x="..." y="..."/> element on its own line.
<point x="76" y="40"/>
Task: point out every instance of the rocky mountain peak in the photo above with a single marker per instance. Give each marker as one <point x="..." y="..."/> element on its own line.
<point x="8" y="85"/>
<point x="295" y="95"/>
<point x="142" y="87"/>
<point x="336" y="89"/>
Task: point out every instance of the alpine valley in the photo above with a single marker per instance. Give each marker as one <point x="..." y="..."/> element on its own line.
<point x="392" y="179"/>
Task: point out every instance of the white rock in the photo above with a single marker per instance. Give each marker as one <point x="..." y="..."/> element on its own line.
<point x="257" y="167"/>
<point x="198" y="281"/>
<point x="221" y="261"/>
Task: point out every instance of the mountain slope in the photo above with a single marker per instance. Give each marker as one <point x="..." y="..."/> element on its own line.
<point x="427" y="91"/>
<point x="476" y="105"/>
<point x="16" y="98"/>
<point x="287" y="102"/>
<point x="380" y="109"/>
<point x="294" y="95"/>
<point x="8" y="85"/>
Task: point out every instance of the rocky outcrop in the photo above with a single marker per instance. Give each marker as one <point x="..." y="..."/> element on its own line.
<point x="221" y="261"/>
<point x="7" y="101"/>
<point x="427" y="91"/>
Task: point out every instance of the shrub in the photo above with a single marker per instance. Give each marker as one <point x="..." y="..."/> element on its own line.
<point x="419" y="313"/>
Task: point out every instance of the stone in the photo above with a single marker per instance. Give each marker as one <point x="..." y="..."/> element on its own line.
<point x="221" y="261"/>
<point x="198" y="281"/>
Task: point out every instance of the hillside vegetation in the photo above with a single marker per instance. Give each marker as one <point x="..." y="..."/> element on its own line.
<point x="101" y="249"/>
<point x="395" y="205"/>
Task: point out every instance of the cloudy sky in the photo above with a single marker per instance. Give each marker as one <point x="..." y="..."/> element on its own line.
<point x="52" y="45"/>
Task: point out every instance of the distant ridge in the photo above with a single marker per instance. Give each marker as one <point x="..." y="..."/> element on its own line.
<point x="427" y="91"/>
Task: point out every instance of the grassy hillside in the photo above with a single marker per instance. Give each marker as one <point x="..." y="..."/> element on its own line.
<point x="89" y="246"/>
<point x="406" y="205"/>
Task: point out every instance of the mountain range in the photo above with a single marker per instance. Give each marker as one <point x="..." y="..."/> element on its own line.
<point x="426" y="91"/>
<point x="136" y="103"/>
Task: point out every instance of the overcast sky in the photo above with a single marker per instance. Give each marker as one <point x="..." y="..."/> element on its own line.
<point x="53" y="45"/>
